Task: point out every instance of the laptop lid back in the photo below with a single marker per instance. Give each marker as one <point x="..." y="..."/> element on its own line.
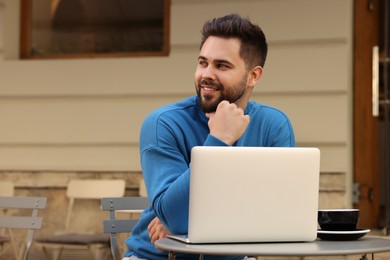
<point x="253" y="194"/>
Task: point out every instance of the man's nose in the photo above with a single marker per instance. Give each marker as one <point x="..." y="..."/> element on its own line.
<point x="208" y="72"/>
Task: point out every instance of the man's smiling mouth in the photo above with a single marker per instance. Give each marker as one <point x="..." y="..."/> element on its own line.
<point x="210" y="88"/>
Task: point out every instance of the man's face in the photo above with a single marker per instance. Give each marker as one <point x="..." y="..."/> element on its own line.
<point x="221" y="73"/>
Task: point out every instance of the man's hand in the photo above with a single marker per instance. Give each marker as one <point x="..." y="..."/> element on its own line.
<point x="228" y="123"/>
<point x="157" y="230"/>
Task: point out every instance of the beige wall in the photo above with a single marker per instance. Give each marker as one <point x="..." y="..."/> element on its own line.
<point x="85" y="114"/>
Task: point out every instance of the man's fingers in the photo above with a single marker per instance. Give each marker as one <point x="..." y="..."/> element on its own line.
<point x="210" y="115"/>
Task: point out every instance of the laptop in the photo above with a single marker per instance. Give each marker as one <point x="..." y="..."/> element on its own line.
<point x="252" y="194"/>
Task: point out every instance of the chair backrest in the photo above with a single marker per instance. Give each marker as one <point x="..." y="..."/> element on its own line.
<point x="95" y="189"/>
<point x="6" y="189"/>
<point x="92" y="189"/>
<point x="113" y="225"/>
<point x="142" y="189"/>
<point x="24" y="222"/>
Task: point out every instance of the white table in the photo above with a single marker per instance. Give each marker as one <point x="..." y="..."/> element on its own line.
<point x="363" y="246"/>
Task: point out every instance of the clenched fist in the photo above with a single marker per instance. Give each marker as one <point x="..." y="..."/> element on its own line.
<point x="228" y="123"/>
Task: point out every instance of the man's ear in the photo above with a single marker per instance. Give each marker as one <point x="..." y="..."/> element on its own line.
<point x="254" y="75"/>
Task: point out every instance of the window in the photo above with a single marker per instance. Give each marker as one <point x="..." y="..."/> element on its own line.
<point x="94" y="28"/>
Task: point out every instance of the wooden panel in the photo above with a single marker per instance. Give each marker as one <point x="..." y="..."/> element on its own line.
<point x="315" y="118"/>
<point x="173" y="75"/>
<point x="306" y="67"/>
<point x="70" y="158"/>
<point x="297" y="20"/>
<point x="334" y="158"/>
<point x="85" y="114"/>
<point x="116" y="120"/>
<point x="34" y="130"/>
<point x="74" y="121"/>
<point x="118" y="158"/>
<point x="289" y="68"/>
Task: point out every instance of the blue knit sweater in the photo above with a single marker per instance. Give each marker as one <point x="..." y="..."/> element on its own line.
<point x="167" y="137"/>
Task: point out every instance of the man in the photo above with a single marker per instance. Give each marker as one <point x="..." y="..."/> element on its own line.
<point x="231" y="60"/>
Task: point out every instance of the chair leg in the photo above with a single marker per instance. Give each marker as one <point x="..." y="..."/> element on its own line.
<point x="45" y="252"/>
<point x="7" y="246"/>
<point x="57" y="252"/>
<point x="6" y="249"/>
<point x="114" y="248"/>
<point x="28" y="244"/>
<point x="13" y="244"/>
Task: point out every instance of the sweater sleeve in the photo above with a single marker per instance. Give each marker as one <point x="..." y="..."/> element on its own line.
<point x="165" y="163"/>
<point x="167" y="180"/>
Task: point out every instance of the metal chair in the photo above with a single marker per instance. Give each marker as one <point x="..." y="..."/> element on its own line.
<point x="81" y="190"/>
<point x="7" y="189"/>
<point x="23" y="222"/>
<point x="114" y="225"/>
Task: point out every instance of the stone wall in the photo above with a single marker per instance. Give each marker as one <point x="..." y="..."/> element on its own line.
<point x="332" y="190"/>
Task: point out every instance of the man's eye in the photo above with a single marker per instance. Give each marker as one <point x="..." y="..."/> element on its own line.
<point x="222" y="66"/>
<point x="202" y="63"/>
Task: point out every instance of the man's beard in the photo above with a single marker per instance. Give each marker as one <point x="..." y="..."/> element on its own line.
<point x="208" y="105"/>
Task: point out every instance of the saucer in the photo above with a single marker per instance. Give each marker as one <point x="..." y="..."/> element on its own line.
<point x="341" y="235"/>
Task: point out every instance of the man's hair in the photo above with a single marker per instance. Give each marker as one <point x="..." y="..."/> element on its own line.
<point x="253" y="48"/>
